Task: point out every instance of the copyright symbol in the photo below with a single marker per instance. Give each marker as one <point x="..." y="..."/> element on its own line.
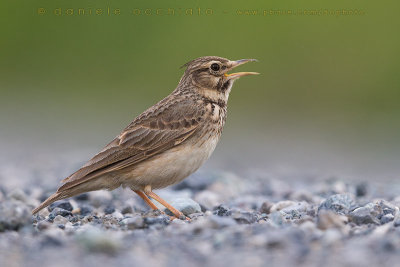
<point x="41" y="11"/>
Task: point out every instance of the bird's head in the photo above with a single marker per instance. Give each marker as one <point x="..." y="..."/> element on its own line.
<point x="209" y="75"/>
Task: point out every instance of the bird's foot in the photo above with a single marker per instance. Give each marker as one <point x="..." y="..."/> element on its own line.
<point x="180" y="217"/>
<point x="184" y="218"/>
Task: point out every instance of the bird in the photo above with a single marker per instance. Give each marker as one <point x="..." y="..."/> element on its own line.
<point x="167" y="142"/>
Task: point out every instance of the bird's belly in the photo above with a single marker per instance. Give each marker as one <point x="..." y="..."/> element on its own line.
<point x="169" y="167"/>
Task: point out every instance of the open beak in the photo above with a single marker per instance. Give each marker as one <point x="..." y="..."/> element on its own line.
<point x="234" y="64"/>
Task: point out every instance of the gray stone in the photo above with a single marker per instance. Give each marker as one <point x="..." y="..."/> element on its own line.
<point x="60" y="220"/>
<point x="159" y="220"/>
<point x="387" y="218"/>
<point x="85" y="210"/>
<point x="276" y="218"/>
<point x="363" y="215"/>
<point x="136" y="222"/>
<point x="57" y="211"/>
<point x="328" y="219"/>
<point x="266" y="207"/>
<point x="18" y="194"/>
<point x="96" y="240"/>
<point x="291" y="210"/>
<point x="361" y="189"/>
<point x="62" y="204"/>
<point x="14" y="214"/>
<point x="243" y="235"/>
<point x="117" y="215"/>
<point x="375" y="209"/>
<point x="82" y="197"/>
<point x="281" y="205"/>
<point x="332" y="236"/>
<point x="387" y="207"/>
<point x="292" y="214"/>
<point x="245" y="217"/>
<point x="109" y="209"/>
<point x="297" y="206"/>
<point x="186" y="205"/>
<point x="43" y="225"/>
<point x="396" y="221"/>
<point x="53" y="236"/>
<point x="221" y="222"/>
<point x="127" y="209"/>
<point x="222" y="210"/>
<point x="339" y="203"/>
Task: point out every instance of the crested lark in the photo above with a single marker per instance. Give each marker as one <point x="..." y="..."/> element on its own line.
<point x="167" y="142"/>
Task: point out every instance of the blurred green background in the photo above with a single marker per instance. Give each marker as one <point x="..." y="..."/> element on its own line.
<point x="327" y="99"/>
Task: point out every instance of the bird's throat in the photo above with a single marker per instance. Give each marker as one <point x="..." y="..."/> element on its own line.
<point x="214" y="95"/>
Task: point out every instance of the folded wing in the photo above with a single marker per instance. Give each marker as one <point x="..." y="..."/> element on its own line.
<point x="152" y="133"/>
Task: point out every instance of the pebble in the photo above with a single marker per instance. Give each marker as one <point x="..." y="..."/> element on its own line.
<point x="363" y="215"/>
<point x="219" y="222"/>
<point x="222" y="210"/>
<point x="127" y="209"/>
<point x="85" y="210"/>
<point x="339" y="203"/>
<point x="160" y="220"/>
<point x="18" y="194"/>
<point x="62" y="204"/>
<point x="266" y="207"/>
<point x="44" y="213"/>
<point x="53" y="236"/>
<point x="276" y="219"/>
<point x="60" y="220"/>
<point x="331" y="237"/>
<point x="117" y="215"/>
<point x="100" y="241"/>
<point x="109" y="210"/>
<point x="235" y="221"/>
<point x="43" y="225"/>
<point x="396" y="221"/>
<point x="386" y="218"/>
<point x="136" y="222"/>
<point x="82" y="197"/>
<point x="361" y="189"/>
<point x="300" y="207"/>
<point x="245" y="217"/>
<point x="186" y="205"/>
<point x="328" y="219"/>
<point x="387" y="207"/>
<point x="14" y="214"/>
<point x="58" y="211"/>
<point x="281" y="205"/>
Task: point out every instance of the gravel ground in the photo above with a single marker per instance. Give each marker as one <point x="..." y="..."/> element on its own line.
<point x="247" y="220"/>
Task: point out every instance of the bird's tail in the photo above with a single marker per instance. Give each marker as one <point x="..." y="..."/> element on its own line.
<point x="67" y="192"/>
<point x="54" y="197"/>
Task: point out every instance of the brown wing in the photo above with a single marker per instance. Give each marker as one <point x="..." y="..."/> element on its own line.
<point x="158" y="129"/>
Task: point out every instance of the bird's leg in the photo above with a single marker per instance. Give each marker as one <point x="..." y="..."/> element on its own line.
<point x="146" y="199"/>
<point x="177" y="213"/>
<point x="150" y="203"/>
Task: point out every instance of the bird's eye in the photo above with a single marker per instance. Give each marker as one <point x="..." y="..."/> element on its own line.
<point x="215" y="67"/>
